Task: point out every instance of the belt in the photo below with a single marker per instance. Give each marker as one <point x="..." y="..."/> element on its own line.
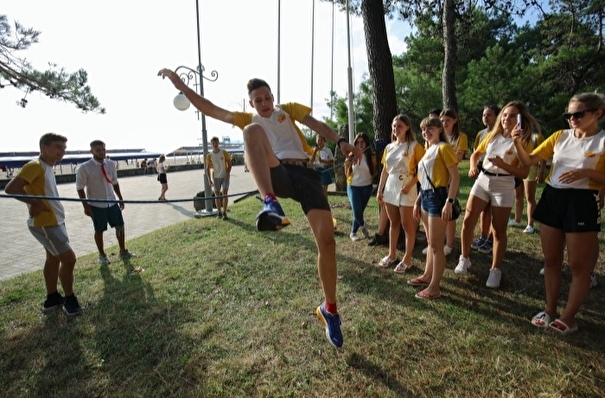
<point x="487" y="173"/>
<point x="302" y="163"/>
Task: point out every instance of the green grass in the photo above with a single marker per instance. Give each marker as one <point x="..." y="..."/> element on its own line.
<point x="224" y="311"/>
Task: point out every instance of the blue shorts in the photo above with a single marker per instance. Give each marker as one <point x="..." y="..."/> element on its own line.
<point x="326" y="175"/>
<point x="101" y="216"/>
<point x="433" y="200"/>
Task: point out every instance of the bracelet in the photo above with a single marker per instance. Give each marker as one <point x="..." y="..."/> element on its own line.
<point x="341" y="140"/>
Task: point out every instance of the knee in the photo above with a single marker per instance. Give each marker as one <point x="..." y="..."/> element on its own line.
<point x="252" y="131"/>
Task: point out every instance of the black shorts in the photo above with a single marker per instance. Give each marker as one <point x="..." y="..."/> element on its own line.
<point x="162" y="178"/>
<point x="101" y="216"/>
<point x="570" y="210"/>
<point x="301" y="184"/>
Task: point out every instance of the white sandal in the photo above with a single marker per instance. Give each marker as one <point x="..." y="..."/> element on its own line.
<point x="541" y="319"/>
<point x="387" y="262"/>
<point x="402" y="268"/>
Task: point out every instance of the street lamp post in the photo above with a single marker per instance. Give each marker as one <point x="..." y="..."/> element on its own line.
<point x="182" y="103"/>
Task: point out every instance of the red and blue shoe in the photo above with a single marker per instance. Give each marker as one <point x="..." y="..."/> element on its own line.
<point x="332" y="324"/>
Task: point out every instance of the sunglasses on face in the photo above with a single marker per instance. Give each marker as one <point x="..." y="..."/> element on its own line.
<point x="577" y="115"/>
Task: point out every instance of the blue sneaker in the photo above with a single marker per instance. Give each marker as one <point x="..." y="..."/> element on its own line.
<point x="332" y="324"/>
<point x="478" y="243"/>
<point x="272" y="217"/>
<point x="486" y="247"/>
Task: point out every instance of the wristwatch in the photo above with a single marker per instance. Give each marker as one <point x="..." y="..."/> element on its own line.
<point x="450" y="200"/>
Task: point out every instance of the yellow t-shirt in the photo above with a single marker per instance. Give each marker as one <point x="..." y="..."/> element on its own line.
<point x="41" y="181"/>
<point x="436" y="161"/>
<point x="571" y="153"/>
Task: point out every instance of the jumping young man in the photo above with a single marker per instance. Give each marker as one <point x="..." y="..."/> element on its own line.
<point x="278" y="156"/>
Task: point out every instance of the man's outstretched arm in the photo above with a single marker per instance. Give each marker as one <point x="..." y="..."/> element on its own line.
<point x="201" y="103"/>
<point x="329" y="134"/>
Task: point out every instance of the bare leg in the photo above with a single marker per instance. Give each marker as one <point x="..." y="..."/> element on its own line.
<point x="553" y="247"/>
<point x="578" y="244"/>
<point x="474" y="207"/>
<point x="530" y="195"/>
<point x="519" y="198"/>
<point x="66" y="271"/>
<point x="323" y="230"/>
<point x="99" y="242"/>
<point x="260" y="157"/>
<point x="436" y="235"/>
<point x="120" y="236"/>
<point x="51" y="272"/>
<point x="410" y="225"/>
<point x="393" y="213"/>
<point x="486" y="221"/>
<point x="500" y="217"/>
<point x="450" y="233"/>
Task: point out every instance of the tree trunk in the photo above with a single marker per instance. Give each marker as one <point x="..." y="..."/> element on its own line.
<point x="380" y="67"/>
<point x="448" y="83"/>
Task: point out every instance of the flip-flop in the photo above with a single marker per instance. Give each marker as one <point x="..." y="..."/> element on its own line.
<point x="402" y="268"/>
<point x="387" y="262"/>
<point x="560" y="328"/>
<point x="541" y="320"/>
<point x="417" y="282"/>
<point x="425" y="296"/>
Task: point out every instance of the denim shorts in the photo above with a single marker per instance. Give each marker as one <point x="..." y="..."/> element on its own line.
<point x="433" y="200"/>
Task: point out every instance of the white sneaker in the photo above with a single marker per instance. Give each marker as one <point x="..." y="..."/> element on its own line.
<point x="463" y="265"/>
<point x="542" y="272"/>
<point x="425" y="250"/>
<point x="493" y="280"/>
<point x="354" y="237"/>
<point x="513" y="223"/>
<point x="593" y="280"/>
<point x="364" y="231"/>
<point x="447" y="250"/>
<point x="529" y="230"/>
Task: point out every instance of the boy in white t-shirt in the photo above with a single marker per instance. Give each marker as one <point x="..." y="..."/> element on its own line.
<point x="277" y="156"/>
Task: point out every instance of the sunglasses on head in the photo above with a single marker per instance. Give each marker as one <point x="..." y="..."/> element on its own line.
<point x="576" y="115"/>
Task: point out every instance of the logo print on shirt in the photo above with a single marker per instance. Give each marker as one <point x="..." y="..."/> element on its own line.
<point x="281" y="118"/>
<point x="590" y="154"/>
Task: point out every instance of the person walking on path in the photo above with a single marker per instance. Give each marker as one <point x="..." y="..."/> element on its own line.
<point x="218" y="171"/>
<point x="162" y="168"/>
<point x="568" y="210"/>
<point x="47" y="222"/>
<point x="277" y="156"/>
<point x="100" y="179"/>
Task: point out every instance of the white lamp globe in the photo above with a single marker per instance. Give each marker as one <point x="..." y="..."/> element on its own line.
<point x="181" y="102"/>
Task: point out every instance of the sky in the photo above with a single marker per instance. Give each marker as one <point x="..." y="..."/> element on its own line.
<point x="123" y="44"/>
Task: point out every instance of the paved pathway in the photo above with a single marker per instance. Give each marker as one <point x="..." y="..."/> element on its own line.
<point x="21" y="253"/>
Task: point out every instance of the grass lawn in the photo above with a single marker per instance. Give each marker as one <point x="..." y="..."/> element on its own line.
<point x="222" y="310"/>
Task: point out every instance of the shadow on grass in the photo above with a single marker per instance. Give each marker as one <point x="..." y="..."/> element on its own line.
<point x="372" y="371"/>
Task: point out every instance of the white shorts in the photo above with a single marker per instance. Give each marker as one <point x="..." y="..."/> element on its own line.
<point x="392" y="191"/>
<point x="497" y="190"/>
